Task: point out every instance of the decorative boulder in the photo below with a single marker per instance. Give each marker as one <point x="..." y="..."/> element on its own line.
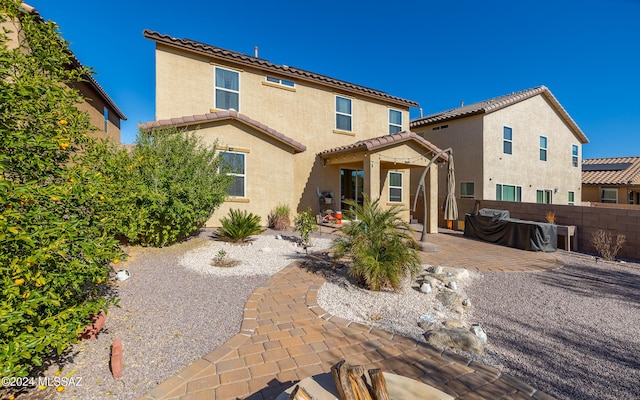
<point x="456" y="338"/>
<point x="479" y="332"/>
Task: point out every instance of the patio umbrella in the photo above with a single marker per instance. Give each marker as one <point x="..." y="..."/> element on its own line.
<point x="450" y="205"/>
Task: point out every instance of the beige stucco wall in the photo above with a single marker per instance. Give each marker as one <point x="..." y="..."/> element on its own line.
<point x="306" y="113"/>
<point x="529" y="119"/>
<point x="464" y="137"/>
<point x="269" y="169"/>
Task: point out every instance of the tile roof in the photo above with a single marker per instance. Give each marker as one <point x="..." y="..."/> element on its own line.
<point x="382" y="142"/>
<point x="76" y="64"/>
<point x="611" y="171"/>
<point x="497" y="103"/>
<point x="192" y="120"/>
<point x="283" y="70"/>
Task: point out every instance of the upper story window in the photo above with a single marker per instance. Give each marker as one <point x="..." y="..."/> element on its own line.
<point x="574" y="155"/>
<point x="508" y="193"/>
<point x="543" y="148"/>
<point x="571" y="198"/>
<point x="227" y="94"/>
<point x="507" y="140"/>
<point x="280" y="81"/>
<point x="395" y="121"/>
<point x="343" y="113"/>
<point x="395" y="187"/>
<point x="234" y="163"/>
<point x="467" y="189"/>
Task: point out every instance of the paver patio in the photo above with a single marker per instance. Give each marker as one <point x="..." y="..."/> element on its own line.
<point x="285" y="337"/>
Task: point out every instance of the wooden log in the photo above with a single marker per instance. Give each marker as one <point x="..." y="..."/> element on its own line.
<point x="379" y="385"/>
<point x="340" y="375"/>
<point x="358" y="383"/>
<point x="299" y="393"/>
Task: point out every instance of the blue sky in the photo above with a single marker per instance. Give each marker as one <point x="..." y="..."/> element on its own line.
<point x="437" y="53"/>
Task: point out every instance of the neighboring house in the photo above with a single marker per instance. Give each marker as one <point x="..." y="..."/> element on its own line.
<point x="611" y="180"/>
<point x="287" y="133"/>
<point x="522" y="146"/>
<point x="104" y="113"/>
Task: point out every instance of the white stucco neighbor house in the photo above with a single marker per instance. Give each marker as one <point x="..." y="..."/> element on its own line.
<point x="522" y="146"/>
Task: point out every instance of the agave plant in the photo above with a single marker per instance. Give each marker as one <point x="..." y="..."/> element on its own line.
<point x="379" y="244"/>
<point x="239" y="225"/>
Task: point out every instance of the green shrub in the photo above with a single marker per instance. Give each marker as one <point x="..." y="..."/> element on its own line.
<point x="54" y="252"/>
<point x="162" y="191"/>
<point x="280" y="217"/>
<point x="305" y="223"/>
<point x="380" y="245"/>
<point x="239" y="225"/>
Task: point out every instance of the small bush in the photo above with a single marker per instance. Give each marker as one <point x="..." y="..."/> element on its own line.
<point x="550" y="217"/>
<point x="380" y="245"/>
<point x="604" y="244"/>
<point x="239" y="225"/>
<point x="280" y="217"/>
<point x="305" y="223"/>
<point x="223" y="261"/>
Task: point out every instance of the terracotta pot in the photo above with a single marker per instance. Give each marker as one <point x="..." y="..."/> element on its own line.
<point x="116" y="358"/>
<point x="91" y="331"/>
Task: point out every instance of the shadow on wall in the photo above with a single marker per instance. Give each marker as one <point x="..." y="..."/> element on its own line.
<point x="324" y="178"/>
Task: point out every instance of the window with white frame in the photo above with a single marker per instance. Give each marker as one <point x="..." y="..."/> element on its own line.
<point x="395" y="121"/>
<point x="234" y="164"/>
<point x="507" y="140"/>
<point x="395" y="187"/>
<point x="543" y="148"/>
<point x="543" y="196"/>
<point x="508" y="193"/>
<point x="280" y="81"/>
<point x="467" y="189"/>
<point x="571" y="198"/>
<point x="227" y="83"/>
<point x="574" y="155"/>
<point x="343" y="113"/>
<point x="609" y="195"/>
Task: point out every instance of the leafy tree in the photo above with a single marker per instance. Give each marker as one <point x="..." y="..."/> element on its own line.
<point x="163" y="190"/>
<point x="54" y="254"/>
<point x="380" y="245"/>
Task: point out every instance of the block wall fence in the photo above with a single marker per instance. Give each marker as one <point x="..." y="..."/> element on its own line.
<point x="617" y="219"/>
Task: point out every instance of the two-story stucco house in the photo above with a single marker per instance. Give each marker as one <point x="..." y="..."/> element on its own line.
<point x="521" y="147"/>
<point x="103" y="111"/>
<point x="290" y="134"/>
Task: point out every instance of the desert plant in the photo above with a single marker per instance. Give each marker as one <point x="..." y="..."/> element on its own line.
<point x="305" y="223"/>
<point x="163" y="190"/>
<point x="550" y="217"/>
<point x="239" y="225"/>
<point x="280" y="217"/>
<point x="604" y="244"/>
<point x="222" y="260"/>
<point x="380" y="245"/>
<point x="54" y="252"/>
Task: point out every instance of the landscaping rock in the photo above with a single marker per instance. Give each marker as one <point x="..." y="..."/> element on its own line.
<point x="455" y="323"/>
<point x="479" y="332"/>
<point x="425" y="287"/>
<point x="456" y="338"/>
<point x="452" y="285"/>
<point x="427" y="322"/>
<point x="451" y="300"/>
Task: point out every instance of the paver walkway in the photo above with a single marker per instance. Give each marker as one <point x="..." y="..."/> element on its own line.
<point x="286" y="336"/>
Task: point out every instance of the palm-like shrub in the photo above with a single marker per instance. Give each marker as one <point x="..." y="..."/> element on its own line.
<point x="239" y="225"/>
<point x="379" y="244"/>
<point x="280" y="217"/>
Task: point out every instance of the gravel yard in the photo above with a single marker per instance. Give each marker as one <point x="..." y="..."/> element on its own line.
<point x="572" y="332"/>
<point x="174" y="309"/>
